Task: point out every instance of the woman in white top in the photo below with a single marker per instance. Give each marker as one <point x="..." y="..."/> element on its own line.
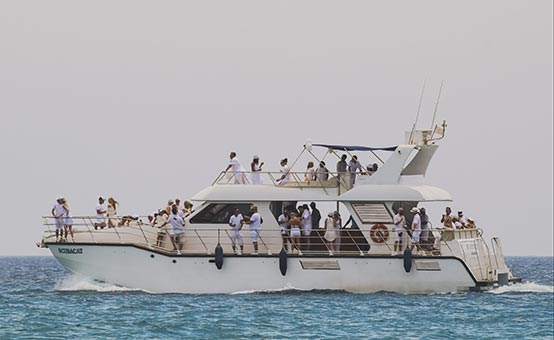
<point x="256" y="167"/>
<point x="285" y="177"/>
<point x="338" y="226"/>
<point x="294" y="223"/>
<point x="111" y="212"/>
<point x="67" y="220"/>
<point x="309" y="175"/>
<point x="330" y="232"/>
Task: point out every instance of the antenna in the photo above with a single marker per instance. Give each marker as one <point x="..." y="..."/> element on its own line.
<point x="436" y="108"/>
<point x="417" y="115"/>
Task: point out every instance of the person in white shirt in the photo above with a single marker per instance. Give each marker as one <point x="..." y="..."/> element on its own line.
<point x="416" y="227"/>
<point x="177" y="229"/>
<point x="254" y="223"/>
<point x="236" y="225"/>
<point x="306" y="225"/>
<point x="58" y="212"/>
<point x="236" y="168"/>
<point x="399" y="224"/>
<point x="322" y="173"/>
<point x="338" y="227"/>
<point x="462" y="219"/>
<point x="256" y="167"/>
<point x="353" y="166"/>
<point x="283" y="221"/>
<point x="100" y="214"/>
<point x="330" y="232"/>
<point x="285" y="171"/>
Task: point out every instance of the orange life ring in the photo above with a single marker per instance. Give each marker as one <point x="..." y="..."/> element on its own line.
<point x="379" y="233"/>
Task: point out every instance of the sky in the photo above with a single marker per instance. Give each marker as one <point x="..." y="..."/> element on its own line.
<point x="144" y="100"/>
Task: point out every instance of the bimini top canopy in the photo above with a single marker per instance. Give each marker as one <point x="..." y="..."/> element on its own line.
<point x="356" y="147"/>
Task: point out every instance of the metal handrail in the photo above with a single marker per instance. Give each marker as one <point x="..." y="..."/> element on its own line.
<point x="147" y="234"/>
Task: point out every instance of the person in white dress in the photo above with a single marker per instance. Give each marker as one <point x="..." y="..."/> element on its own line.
<point x="67" y="221"/>
<point x="237" y="171"/>
<point x="112" y="212"/>
<point x="338" y="227"/>
<point x="322" y="173"/>
<point x="306" y="225"/>
<point x="256" y="167"/>
<point x="236" y="225"/>
<point x="285" y="171"/>
<point x="330" y="232"/>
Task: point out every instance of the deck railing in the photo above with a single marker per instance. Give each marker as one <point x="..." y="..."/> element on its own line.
<point x="341" y="181"/>
<point x="199" y="240"/>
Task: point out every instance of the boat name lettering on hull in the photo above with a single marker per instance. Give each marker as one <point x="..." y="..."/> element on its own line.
<point x="70" y="250"/>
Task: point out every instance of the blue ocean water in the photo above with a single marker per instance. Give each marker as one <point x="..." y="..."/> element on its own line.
<point x="39" y="300"/>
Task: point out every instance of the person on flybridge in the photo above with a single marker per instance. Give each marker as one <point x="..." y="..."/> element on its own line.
<point x="236" y="168"/>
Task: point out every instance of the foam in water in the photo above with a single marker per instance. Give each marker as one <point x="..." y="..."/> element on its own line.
<point x="287" y="287"/>
<point x="76" y="282"/>
<point x="527" y="287"/>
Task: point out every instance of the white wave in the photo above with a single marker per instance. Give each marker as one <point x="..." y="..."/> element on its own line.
<point x="527" y="287"/>
<point x="287" y="287"/>
<point x="74" y="283"/>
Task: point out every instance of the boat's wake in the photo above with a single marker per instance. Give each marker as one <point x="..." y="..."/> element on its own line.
<point x="75" y="283"/>
<point x="527" y="287"/>
<point x="287" y="288"/>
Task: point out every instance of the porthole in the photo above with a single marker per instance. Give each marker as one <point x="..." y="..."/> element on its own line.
<point x="174" y="261"/>
<point x="152" y="255"/>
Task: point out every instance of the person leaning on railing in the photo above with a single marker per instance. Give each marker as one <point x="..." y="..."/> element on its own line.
<point x="177" y="230"/>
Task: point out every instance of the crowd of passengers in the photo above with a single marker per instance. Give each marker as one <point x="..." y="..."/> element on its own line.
<point x="295" y="224"/>
<point x="419" y="232"/>
<point x="239" y="175"/>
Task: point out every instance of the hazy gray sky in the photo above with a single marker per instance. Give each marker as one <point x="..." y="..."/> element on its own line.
<point x="143" y="100"/>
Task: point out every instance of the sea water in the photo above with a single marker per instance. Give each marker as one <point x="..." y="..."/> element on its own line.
<point x="40" y="300"/>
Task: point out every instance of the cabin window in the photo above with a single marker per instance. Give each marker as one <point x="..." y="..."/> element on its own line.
<point x="372" y="212"/>
<point x="219" y="213"/>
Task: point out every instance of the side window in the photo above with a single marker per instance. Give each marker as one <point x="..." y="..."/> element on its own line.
<point x="219" y="213"/>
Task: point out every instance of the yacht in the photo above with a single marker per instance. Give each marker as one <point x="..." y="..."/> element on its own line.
<point x="137" y="254"/>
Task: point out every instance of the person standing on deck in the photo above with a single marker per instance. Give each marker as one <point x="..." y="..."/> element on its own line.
<point x="283" y="221"/>
<point x="236" y="169"/>
<point x="353" y="166"/>
<point x="285" y="177"/>
<point x="256" y="167"/>
<point x="342" y="166"/>
<point x="67" y="221"/>
<point x="309" y="175"/>
<point x="399" y="224"/>
<point x="316" y="216"/>
<point x="58" y="212"/>
<point x="236" y="225"/>
<point x="322" y="173"/>
<point x="446" y="219"/>
<point x="306" y="219"/>
<point x="338" y="226"/>
<point x="416" y="227"/>
<point x="425" y="230"/>
<point x="254" y="223"/>
<point x="177" y="229"/>
<point x="100" y="214"/>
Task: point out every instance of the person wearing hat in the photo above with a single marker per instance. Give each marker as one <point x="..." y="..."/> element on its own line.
<point x="416" y="227"/>
<point x="399" y="221"/>
<point x="58" y="212"/>
<point x="256" y="167"/>
<point x="100" y="214"/>
<point x="461" y="218"/>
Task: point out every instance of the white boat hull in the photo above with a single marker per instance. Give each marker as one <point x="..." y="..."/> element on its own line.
<point x="139" y="268"/>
